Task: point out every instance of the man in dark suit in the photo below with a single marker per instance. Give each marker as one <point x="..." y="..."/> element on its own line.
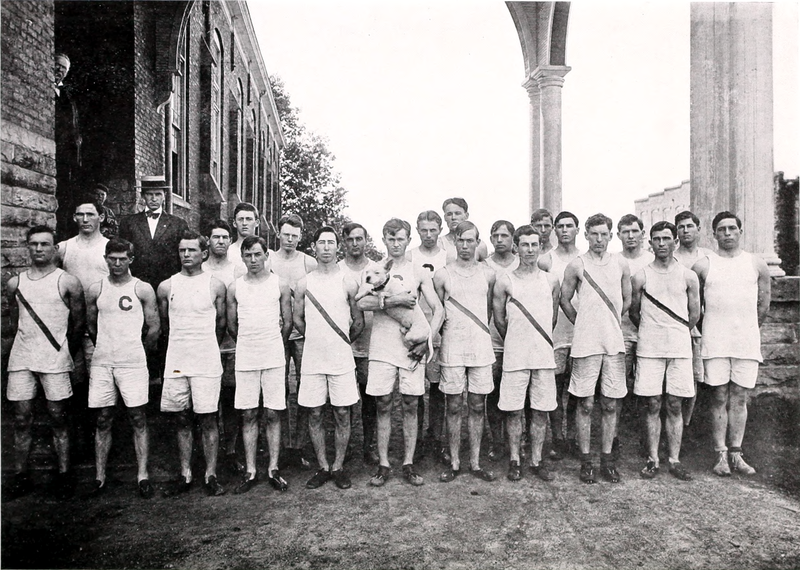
<point x="155" y="236"/>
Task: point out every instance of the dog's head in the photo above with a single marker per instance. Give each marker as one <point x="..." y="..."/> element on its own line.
<point x="377" y="274"/>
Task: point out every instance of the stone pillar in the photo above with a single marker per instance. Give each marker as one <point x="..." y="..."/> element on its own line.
<point x="731" y="119"/>
<point x="550" y="79"/>
<point x="535" y="198"/>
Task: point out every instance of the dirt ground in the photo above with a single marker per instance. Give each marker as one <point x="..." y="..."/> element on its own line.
<point x="664" y="523"/>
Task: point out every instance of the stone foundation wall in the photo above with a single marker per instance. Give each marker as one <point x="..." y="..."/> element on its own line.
<point x="780" y="372"/>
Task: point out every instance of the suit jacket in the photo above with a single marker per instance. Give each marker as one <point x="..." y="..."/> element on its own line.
<point x="155" y="259"/>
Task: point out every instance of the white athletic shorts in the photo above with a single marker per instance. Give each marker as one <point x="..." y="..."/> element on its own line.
<point x="477" y="379"/>
<point x="610" y="368"/>
<point x="650" y="374"/>
<point x="133" y="385"/>
<point x="316" y="388"/>
<point x="251" y="384"/>
<point x="22" y="385"/>
<point x="201" y="392"/>
<point x="539" y="384"/>
<point x="382" y="378"/>
<point x="720" y="371"/>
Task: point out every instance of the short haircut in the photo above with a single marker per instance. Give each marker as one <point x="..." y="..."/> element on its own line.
<point x="566" y="214"/>
<point x="245" y="207"/>
<point x="250" y="241"/>
<point x="460" y="202"/>
<point x="323" y="230"/>
<point x="429" y="216"/>
<point x="100" y="187"/>
<point x="466" y="226"/>
<point x="221" y="225"/>
<point x="394" y="225"/>
<point x="348" y="228"/>
<point x="664" y="225"/>
<point x="526" y="230"/>
<point x="541" y="214"/>
<point x="499" y="224"/>
<point x="599" y="220"/>
<point x="119" y="245"/>
<point x="293" y="220"/>
<point x="724" y="216"/>
<point x="40" y="230"/>
<point x="629" y="219"/>
<point x="191" y="234"/>
<point x="89" y="198"/>
<point x="686" y="215"/>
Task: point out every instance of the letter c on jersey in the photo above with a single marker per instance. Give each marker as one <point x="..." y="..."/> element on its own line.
<point x="125" y="303"/>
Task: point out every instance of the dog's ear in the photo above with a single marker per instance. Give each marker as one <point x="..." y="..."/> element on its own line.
<point x="388" y="265"/>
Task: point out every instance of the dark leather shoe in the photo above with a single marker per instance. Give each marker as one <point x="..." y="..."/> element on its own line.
<point x="514" y="471"/>
<point x="245" y="484"/>
<point x="321" y="477"/>
<point x="146" y="490"/>
<point x="277" y="481"/>
<point x="213" y="488"/>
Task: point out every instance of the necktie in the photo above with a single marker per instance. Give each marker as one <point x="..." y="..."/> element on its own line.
<point x="153" y="215"/>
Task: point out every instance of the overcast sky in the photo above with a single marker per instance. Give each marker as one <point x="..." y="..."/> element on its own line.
<point x="423" y="100"/>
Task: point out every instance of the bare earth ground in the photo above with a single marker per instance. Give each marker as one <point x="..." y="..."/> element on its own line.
<point x="663" y="523"/>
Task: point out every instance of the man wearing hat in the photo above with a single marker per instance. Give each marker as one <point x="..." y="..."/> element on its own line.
<point x="68" y="146"/>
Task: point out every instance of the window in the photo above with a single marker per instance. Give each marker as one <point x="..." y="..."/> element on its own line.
<point x="216" y="107"/>
<point x="240" y="141"/>
<point x="178" y="122"/>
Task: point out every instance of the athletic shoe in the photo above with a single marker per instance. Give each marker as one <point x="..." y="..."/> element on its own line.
<point x="341" y="478"/>
<point x="449" y="474"/>
<point x="587" y="473"/>
<point x="679" y="471"/>
<point x="739" y="465"/>
<point x="277" y="481"/>
<point x="410" y="475"/>
<point x="444" y="455"/>
<point x="650" y="470"/>
<point x="514" y="471"/>
<point x="213" y="488"/>
<point x="721" y="466"/>
<point x="379" y="479"/>
<point x="609" y="473"/>
<point x="146" y="490"/>
<point x="541" y="471"/>
<point x="248" y="482"/>
<point x="483" y="474"/>
<point x="321" y="477"/>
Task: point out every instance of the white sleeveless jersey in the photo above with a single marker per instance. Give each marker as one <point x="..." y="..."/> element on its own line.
<point x="464" y="342"/>
<point x="525" y="347"/>
<point x="661" y="336"/>
<point x="120" y="318"/>
<point x="85" y="261"/>
<point x="597" y="329"/>
<point x="499" y="270"/>
<point x="259" y="345"/>
<point x="31" y="349"/>
<point x="360" y="346"/>
<point x="192" y="348"/>
<point x="325" y="352"/>
<point x="430" y="264"/>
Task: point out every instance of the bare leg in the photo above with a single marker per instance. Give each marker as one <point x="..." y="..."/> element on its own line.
<point x="583" y="423"/>
<point x="184" y="430"/>
<point x="273" y="440"/>
<point x="608" y="408"/>
<point x="318" y="436"/>
<point x="23" y="420"/>
<point x="652" y="423"/>
<point x="58" y="415"/>
<point x="250" y="439"/>
<point x="557" y="415"/>
<point x="341" y="415"/>
<point x="737" y="413"/>
<point x="208" y="424"/>
<point x="102" y="442"/>
<point x="538" y="429"/>
<point x="410" y="408"/>
<point x="455" y="404"/>
<point x="493" y="415"/>
<point x="719" y="416"/>
<point x="477" y="406"/>
<point x="514" y="429"/>
<point x="141" y="440"/>
<point x="384" y="421"/>
<point x="674" y="427"/>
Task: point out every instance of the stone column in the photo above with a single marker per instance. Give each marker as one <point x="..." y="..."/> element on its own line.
<point x="731" y="120"/>
<point x="535" y="197"/>
<point x="550" y="79"/>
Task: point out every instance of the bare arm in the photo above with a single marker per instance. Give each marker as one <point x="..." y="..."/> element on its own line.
<point x="150" y="309"/>
<point x="13" y="307"/>
<point x="218" y="290"/>
<point x="637" y="285"/>
<point x="91" y="311"/>
<point x="286" y="311"/>
<point x="429" y="293"/>
<point x="764" y="288"/>
<point x="491" y="279"/>
<point x="372" y="302"/>
<point x="72" y="293"/>
<point x="693" y="292"/>
<point x="299" y="313"/>
<point x="499" y="300"/>
<point x="233" y="311"/>
<point x="556" y="288"/>
<point x="164" y="290"/>
<point x="701" y="269"/>
<point x="625" y="282"/>
<point x="568" y="287"/>
<point x="356" y="316"/>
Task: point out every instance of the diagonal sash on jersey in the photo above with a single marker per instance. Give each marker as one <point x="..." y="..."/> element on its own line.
<point x="602" y="294"/>
<point x="38" y="321"/>
<point x="470" y="314"/>
<point x="327" y="317"/>
<point x="664" y="308"/>
<point x="531" y="319"/>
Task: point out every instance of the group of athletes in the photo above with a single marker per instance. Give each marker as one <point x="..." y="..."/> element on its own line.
<point x="533" y="333"/>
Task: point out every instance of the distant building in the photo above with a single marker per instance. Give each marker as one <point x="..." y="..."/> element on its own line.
<point x="663" y="205"/>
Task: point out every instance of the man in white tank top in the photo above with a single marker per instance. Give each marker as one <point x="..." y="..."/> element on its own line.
<point x="259" y="319"/>
<point x="41" y="354"/>
<point x="525" y="307"/>
<point x="456" y="210"/>
<point x="665" y="306"/>
<point x="603" y="284"/>
<point x="246" y="222"/>
<point x="325" y="311"/>
<point x="688" y="253"/>
<point x="390" y="360"/>
<point x="291" y="264"/>
<point x="735" y="289"/>
<point x="116" y="310"/>
<point x="221" y="266"/>
<point x="502" y="261"/>
<point x="431" y="256"/>
<point x="192" y="307"/>
<point x="466" y="356"/>
<point x="555" y="261"/>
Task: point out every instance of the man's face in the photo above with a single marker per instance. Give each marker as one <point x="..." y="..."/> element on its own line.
<point x="60" y="70"/>
<point x="325" y="247"/>
<point x="190" y="253"/>
<point x="355" y="243"/>
<point x="502" y="240"/>
<point x="544" y="227"/>
<point x="118" y="263"/>
<point x="663" y="244"/>
<point x="396" y="244"/>
<point x="728" y="234"/>
<point x="255" y="259"/>
<point x="466" y="244"/>
<point x="630" y="235"/>
<point x="88" y="219"/>
<point x="289" y="237"/>
<point x="219" y="242"/>
<point x="528" y="249"/>
<point x="429" y="233"/>
<point x="153" y="199"/>
<point x="566" y="231"/>
<point x="688" y="232"/>
<point x="454" y="215"/>
<point x="246" y="223"/>
<point x="598" y="237"/>
<point x="41" y="248"/>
